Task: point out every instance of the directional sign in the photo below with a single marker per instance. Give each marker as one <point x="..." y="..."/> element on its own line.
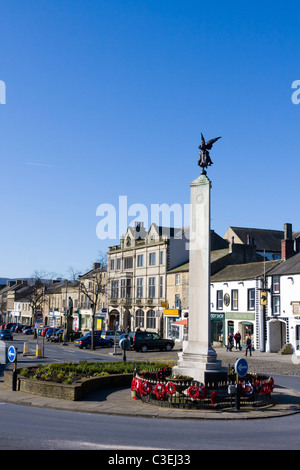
<point x="241" y="367"/>
<point x="12" y="354"/>
<point x="263" y="298"/>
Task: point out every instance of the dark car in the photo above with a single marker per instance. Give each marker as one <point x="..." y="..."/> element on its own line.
<point x="50" y="332"/>
<point x="27" y="330"/>
<point x="57" y="336"/>
<point x="144" y="340"/>
<point x="6" y="334"/>
<point x="85" y="342"/>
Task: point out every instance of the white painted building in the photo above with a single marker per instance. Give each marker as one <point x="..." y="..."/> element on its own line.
<point x="236" y="302"/>
<point x="283" y="309"/>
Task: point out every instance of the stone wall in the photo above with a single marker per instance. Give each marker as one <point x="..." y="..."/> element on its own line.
<point x="72" y="392"/>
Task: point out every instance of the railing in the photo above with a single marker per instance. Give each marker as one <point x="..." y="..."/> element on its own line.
<point x="158" y="387"/>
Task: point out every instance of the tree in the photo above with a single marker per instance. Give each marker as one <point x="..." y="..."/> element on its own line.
<point x="36" y="295"/>
<point x="93" y="285"/>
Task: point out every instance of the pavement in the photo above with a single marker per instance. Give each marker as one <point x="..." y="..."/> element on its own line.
<point x="284" y="401"/>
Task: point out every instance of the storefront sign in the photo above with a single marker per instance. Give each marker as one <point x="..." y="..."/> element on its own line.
<point x="171" y="312"/>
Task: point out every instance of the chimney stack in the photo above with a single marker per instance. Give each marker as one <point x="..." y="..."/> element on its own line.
<point x="287" y="244"/>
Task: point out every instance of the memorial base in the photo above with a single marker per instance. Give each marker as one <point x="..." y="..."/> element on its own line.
<point x="202" y="366"/>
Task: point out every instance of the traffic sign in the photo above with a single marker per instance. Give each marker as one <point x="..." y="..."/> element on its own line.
<point x="241" y="367"/>
<point x="12" y="354"/>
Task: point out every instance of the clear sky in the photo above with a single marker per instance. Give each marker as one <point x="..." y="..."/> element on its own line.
<point x="108" y="98"/>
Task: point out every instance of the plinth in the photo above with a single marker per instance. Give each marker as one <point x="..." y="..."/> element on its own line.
<point x="198" y="359"/>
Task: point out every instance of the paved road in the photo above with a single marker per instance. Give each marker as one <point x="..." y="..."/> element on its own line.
<point x="27" y="427"/>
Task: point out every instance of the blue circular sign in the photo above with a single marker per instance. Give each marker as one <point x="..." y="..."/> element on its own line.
<point x="241" y="367"/>
<point x="12" y="354"/>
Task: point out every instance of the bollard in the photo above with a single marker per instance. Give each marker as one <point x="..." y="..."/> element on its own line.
<point x="237" y="395"/>
<point x="25" y="348"/>
<point x="38" y="351"/>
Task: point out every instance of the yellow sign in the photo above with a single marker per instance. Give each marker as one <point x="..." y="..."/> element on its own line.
<point x="164" y="304"/>
<point x="171" y="312"/>
<point x="263" y="298"/>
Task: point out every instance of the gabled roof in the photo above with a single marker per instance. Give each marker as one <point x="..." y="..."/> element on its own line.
<point x="241" y="272"/>
<point x="289" y="266"/>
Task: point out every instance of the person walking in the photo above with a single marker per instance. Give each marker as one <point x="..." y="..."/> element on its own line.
<point x="248" y="345"/>
<point x="237" y="338"/>
<point x="230" y="342"/>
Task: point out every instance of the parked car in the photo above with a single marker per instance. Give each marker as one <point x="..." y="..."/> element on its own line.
<point x="144" y="340"/>
<point x="44" y="330"/>
<point x="85" y="342"/>
<point x="17" y="328"/>
<point x="50" y="332"/>
<point x="57" y="336"/>
<point x="6" y="334"/>
<point x="28" y="330"/>
<point x="111" y="335"/>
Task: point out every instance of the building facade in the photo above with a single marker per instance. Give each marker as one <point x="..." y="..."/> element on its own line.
<point x="137" y="271"/>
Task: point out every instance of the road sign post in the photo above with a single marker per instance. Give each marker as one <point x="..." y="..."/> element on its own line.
<point x="241" y="369"/>
<point x="12" y="355"/>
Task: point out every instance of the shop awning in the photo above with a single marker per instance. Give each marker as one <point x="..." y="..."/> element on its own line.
<point x="184" y="321"/>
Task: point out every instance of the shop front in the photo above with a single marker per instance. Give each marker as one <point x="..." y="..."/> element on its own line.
<point x="171" y="330"/>
<point x="217" y="327"/>
<point x="243" y="322"/>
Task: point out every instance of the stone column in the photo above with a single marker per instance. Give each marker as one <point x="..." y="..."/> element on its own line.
<point x="198" y="357"/>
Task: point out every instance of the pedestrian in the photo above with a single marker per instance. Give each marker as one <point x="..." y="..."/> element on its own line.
<point x="237" y="338"/>
<point x="248" y="345"/>
<point x="230" y="342"/>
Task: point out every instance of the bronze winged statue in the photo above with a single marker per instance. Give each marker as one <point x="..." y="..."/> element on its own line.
<point x="204" y="158"/>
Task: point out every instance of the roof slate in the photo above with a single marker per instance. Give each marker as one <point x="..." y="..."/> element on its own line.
<point x="240" y="272"/>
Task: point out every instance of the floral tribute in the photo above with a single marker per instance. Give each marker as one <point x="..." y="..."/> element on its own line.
<point x="161" y="387"/>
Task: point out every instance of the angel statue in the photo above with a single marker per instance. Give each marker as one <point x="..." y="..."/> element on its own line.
<point x="204" y="159"/>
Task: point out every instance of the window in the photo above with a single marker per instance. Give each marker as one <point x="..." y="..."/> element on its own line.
<point x="128" y="288"/>
<point x="114" y="289"/>
<point x="177" y="280"/>
<point x="276" y="284"/>
<point x="118" y="264"/>
<point x="151" y="323"/>
<point x="161" y="257"/>
<point x="152" y="258"/>
<point x="139" y="288"/>
<point x="140" y="261"/>
<point x="123" y="288"/>
<point x="139" y="319"/>
<point x="112" y="264"/>
<point x="177" y="301"/>
<point x="161" y="287"/>
<point x="234" y="299"/>
<point x="219" y="299"/>
<point x="251" y="299"/>
<point x="151" y="287"/>
<point x="128" y="262"/>
<point x="276" y="305"/>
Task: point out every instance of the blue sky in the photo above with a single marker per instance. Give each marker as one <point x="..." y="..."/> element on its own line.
<point x="108" y="97"/>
